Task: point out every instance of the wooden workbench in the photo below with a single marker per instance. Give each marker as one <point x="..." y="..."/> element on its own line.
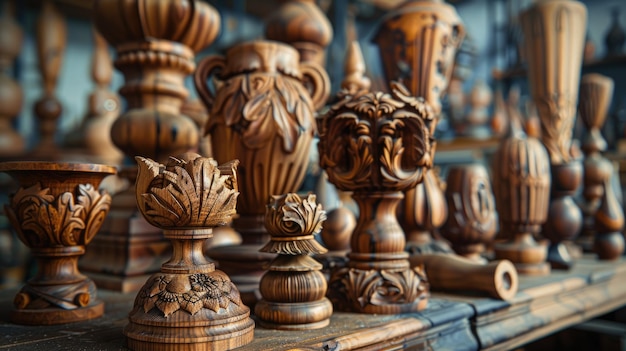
<point x="451" y="321"/>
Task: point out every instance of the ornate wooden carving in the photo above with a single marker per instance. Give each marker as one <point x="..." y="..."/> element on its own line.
<point x="188" y="305"/>
<point x="294" y="289"/>
<point x="603" y="236"/>
<point x="377" y="145"/>
<point x="265" y="113"/>
<point x="471" y="223"/>
<point x="521" y="177"/>
<point x="11" y="97"/>
<point x="56" y="212"/>
<point x="155" y="43"/>
<point x="499" y="279"/>
<point x="51" y="41"/>
<point x="304" y="26"/>
<point x="554" y="36"/>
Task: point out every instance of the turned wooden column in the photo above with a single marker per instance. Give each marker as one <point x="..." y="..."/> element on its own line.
<point x="603" y="215"/>
<point x="418" y="42"/>
<point x="554" y="37"/>
<point x="265" y="113"/>
<point x="155" y="42"/>
<point x="56" y="212"/>
<point x="11" y="97"/>
<point x="188" y="305"/>
<point x="51" y="41"/>
<point x="376" y="145"/>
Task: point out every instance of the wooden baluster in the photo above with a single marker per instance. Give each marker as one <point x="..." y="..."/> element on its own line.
<point x="554" y="37"/>
<point x="189" y="305"/>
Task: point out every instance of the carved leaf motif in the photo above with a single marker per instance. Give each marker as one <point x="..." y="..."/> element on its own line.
<point x="24" y="207"/>
<point x="96" y="207"/>
<point x="383" y="288"/>
<point x="291" y="215"/>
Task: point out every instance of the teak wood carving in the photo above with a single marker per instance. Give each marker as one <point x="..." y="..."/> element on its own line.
<point x="472" y="217"/>
<point x="264" y="112"/>
<point x="56" y="212"/>
<point x="11" y="36"/>
<point x="604" y="218"/>
<point x="188" y="305"/>
<point x="377" y="145"/>
<point x="155" y="42"/>
<point x="294" y="289"/>
<point x="554" y="37"/>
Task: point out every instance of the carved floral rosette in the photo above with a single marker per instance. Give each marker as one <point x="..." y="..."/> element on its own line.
<point x="187" y="197"/>
<point x="377" y="145"/>
<point x="56" y="212"/>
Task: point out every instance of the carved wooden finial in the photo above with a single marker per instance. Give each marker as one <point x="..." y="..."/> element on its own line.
<point x="354" y="67"/>
<point x="188" y="304"/>
<point x="294" y="288"/>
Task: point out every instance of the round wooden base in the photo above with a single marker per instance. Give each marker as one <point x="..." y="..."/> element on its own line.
<point x="51" y="316"/>
<point x="204" y="331"/>
<point x="528" y="256"/>
<point x="294" y="316"/>
<point x="559" y="257"/>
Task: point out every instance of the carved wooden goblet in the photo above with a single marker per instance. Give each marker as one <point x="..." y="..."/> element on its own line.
<point x="56" y="212"/>
<point x="472" y="219"/>
<point x="188" y="305"/>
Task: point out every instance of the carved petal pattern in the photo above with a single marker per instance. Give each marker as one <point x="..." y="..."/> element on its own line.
<point x="373" y="141"/>
<point x="190" y="293"/>
<point x="291" y="215"/>
<point x="186" y="193"/>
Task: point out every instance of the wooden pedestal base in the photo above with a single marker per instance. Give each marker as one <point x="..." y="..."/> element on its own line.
<point x="50" y="316"/>
<point x="301" y="316"/>
<point x="527" y="256"/>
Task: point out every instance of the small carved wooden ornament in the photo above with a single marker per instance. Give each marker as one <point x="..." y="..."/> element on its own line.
<point x="188" y="305"/>
<point x="294" y="289"/>
<point x="265" y="114"/>
<point x="604" y="218"/>
<point x="377" y="145"/>
<point x="554" y="37"/>
<point x="472" y="219"/>
<point x="56" y="212"/>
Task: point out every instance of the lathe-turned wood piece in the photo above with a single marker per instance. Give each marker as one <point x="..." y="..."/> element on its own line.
<point x="51" y="41"/>
<point x="56" y="212"/>
<point x="602" y="236"/>
<point x="294" y="289"/>
<point x="377" y="145"/>
<point x="554" y="37"/>
<point x="418" y="42"/>
<point x="189" y="305"/>
<point x="155" y="42"/>
<point x="11" y="36"/>
<point x="472" y="217"/>
<point x="521" y="180"/>
<point x="303" y="25"/>
<point x="480" y="99"/>
<point x="265" y="113"/>
<point x="499" y="279"/>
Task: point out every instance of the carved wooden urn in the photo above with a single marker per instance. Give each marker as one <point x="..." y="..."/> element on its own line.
<point x="56" y="212"/>
<point x="189" y="305"/>
<point x="377" y="145"/>
<point x="263" y="115"/>
<point x="294" y="288"/>
<point x="554" y="37"/>
<point x="472" y="220"/>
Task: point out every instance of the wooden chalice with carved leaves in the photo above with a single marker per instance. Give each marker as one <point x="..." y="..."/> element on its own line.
<point x="189" y="305"/>
<point x="56" y="212"/>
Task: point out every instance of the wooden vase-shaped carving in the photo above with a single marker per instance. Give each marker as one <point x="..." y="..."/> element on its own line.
<point x="11" y="142"/>
<point x="301" y="24"/>
<point x="521" y="177"/>
<point x="554" y="36"/>
<point x="56" y="212"/>
<point x="155" y="42"/>
<point x="604" y="218"/>
<point x="294" y="289"/>
<point x="472" y="219"/>
<point x="377" y="145"/>
<point x="418" y="42"/>
<point x="189" y="305"/>
<point x="263" y="115"/>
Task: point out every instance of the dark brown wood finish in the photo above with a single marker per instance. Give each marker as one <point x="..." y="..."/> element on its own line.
<point x="56" y="212"/>
<point x="189" y="305"/>
<point x="269" y="126"/>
